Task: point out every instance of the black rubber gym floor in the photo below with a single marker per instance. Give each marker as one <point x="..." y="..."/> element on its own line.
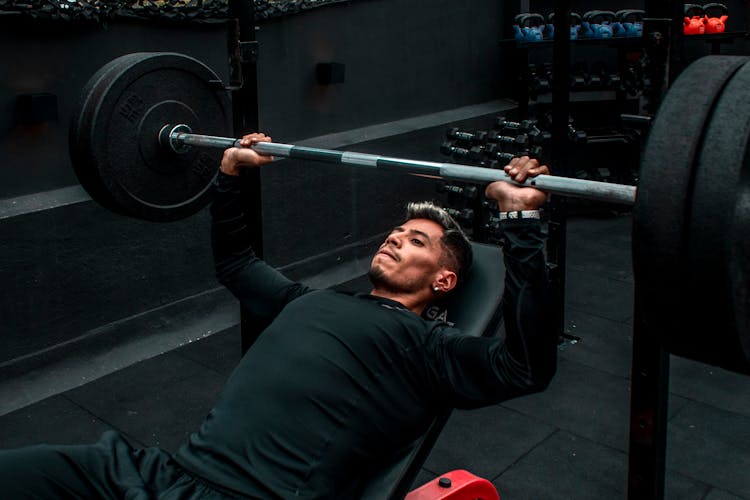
<point x="569" y="442"/>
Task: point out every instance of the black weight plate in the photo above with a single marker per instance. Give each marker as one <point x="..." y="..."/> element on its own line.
<point x="138" y="97"/>
<point x="79" y="147"/>
<point x="712" y="253"/>
<point x="663" y="196"/>
<point x="739" y="263"/>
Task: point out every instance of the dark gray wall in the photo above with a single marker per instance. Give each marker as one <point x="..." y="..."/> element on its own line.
<point x="402" y="58"/>
<point x="69" y="267"/>
<point x="59" y="59"/>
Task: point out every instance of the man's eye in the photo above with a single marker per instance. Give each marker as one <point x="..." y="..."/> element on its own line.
<point x="417" y="242"/>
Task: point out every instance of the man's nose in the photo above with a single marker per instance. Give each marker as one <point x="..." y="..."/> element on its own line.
<point x="394" y="240"/>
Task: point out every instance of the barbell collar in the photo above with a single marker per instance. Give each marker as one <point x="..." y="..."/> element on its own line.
<point x="580" y="188"/>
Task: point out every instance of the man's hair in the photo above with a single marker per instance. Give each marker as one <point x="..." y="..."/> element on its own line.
<point x="457" y="255"/>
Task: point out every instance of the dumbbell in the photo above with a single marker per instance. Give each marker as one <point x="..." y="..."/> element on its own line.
<point x="614" y="82"/>
<point x="632" y="79"/>
<point x="577" y="136"/>
<point x="450" y="149"/>
<point x="579" y="78"/>
<point x="538" y="83"/>
<point x="531" y="135"/>
<point x="519" y="142"/>
<point x="463" y="216"/>
<point x="456" y="134"/>
<point x="603" y="174"/>
<point x="538" y="137"/>
<point x="504" y="157"/>
<point x="601" y="78"/>
<point x="501" y="158"/>
<point x="468" y="192"/>
<point x="501" y="123"/>
<point x="476" y="152"/>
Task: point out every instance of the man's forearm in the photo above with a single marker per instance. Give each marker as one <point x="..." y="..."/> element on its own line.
<point x="230" y="236"/>
<point x="262" y="290"/>
<point x="530" y="336"/>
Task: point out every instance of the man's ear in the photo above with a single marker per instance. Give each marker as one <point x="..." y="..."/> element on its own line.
<point x="446" y="280"/>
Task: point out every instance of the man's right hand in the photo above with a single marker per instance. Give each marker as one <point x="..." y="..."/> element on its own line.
<point x="510" y="197"/>
<point x="235" y="159"/>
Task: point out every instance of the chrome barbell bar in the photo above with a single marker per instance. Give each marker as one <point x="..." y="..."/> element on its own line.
<point x="179" y="138"/>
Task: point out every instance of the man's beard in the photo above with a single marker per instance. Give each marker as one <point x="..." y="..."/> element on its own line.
<point x="381" y="281"/>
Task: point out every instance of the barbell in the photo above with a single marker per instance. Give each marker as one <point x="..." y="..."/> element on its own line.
<point x="179" y="138"/>
<point x="133" y="149"/>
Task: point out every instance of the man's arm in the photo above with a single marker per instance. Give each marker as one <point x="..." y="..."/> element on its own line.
<point x="261" y="289"/>
<point x="481" y="371"/>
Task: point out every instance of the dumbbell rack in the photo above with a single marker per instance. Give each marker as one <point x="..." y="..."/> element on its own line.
<point x="650" y="361"/>
<point x="522" y="55"/>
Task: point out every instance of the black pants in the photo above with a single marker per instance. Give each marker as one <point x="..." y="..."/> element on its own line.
<point x="110" y="468"/>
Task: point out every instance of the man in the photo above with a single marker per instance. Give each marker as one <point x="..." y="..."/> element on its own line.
<point x="337" y="383"/>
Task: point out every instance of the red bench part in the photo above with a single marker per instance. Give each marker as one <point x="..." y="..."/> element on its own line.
<point x="455" y="485"/>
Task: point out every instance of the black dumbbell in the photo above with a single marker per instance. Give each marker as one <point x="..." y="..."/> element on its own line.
<point x="538" y="137"/>
<point x="531" y="152"/>
<point x="577" y="136"/>
<point x="501" y="158"/>
<point x="458" y="135"/>
<point x="538" y="82"/>
<point x="519" y="141"/>
<point x="468" y="192"/>
<point x="450" y="149"/>
<point x="614" y="82"/>
<point x="464" y="215"/>
<point x="579" y="78"/>
<point x="603" y="174"/>
<point x="597" y="78"/>
<point x="477" y="152"/>
<point x="501" y="123"/>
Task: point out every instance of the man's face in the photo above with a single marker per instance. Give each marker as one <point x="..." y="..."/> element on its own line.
<point x="409" y="258"/>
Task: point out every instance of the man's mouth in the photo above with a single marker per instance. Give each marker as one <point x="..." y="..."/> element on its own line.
<point x="389" y="254"/>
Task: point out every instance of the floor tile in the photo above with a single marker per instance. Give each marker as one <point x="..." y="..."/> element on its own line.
<point x="679" y="487"/>
<point x="220" y="352"/>
<point x="54" y="420"/>
<point x="711" y="445"/>
<point x="566" y="466"/>
<point x="584" y="401"/>
<point x="710" y="385"/>
<point x="604" y="344"/>
<point x="157" y="402"/>
<point x="719" y="494"/>
<point x="599" y="295"/>
<point x="485" y="441"/>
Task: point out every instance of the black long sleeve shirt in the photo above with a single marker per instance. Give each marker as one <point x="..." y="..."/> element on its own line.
<point x="337" y="382"/>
